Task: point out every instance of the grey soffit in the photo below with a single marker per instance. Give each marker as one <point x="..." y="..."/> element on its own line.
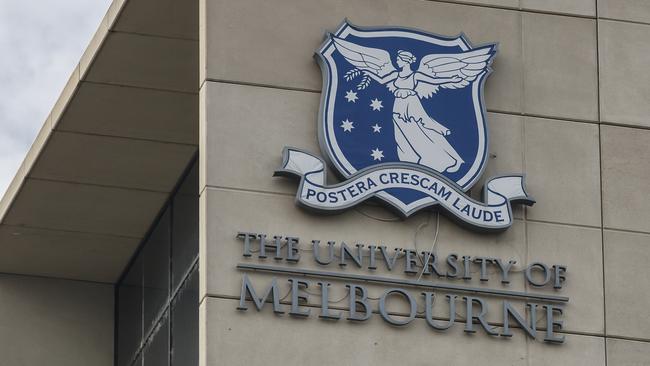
<point x="112" y="150"/>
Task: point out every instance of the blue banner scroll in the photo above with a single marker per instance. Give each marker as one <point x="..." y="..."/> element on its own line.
<point x="494" y="214"/>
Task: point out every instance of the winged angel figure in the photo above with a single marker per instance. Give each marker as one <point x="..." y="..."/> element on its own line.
<point x="420" y="138"/>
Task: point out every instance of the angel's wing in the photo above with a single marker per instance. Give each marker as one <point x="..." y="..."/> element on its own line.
<point x="374" y="60"/>
<point x="466" y="65"/>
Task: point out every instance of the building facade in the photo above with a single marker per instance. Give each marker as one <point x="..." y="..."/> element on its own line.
<point x="132" y="232"/>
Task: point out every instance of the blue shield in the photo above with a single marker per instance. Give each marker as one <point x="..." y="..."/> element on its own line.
<point x="395" y="95"/>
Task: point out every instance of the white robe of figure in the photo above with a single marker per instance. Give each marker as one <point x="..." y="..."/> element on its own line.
<point x="419" y="137"/>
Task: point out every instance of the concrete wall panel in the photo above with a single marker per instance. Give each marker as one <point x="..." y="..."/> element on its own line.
<point x="627" y="290"/>
<point x="562" y="171"/>
<point x="55" y="322"/>
<point x="627" y="353"/>
<point x="560" y="62"/>
<point x="247" y="127"/>
<point x="624" y="80"/>
<point x="572" y="7"/>
<point x="630" y="10"/>
<point x="578" y="350"/>
<point x="625" y="156"/>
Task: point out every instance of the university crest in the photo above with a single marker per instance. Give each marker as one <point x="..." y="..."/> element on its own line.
<point x="402" y="119"/>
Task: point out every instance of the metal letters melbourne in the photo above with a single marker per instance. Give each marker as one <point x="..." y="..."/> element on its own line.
<point x="402" y="120"/>
<point x="438" y="285"/>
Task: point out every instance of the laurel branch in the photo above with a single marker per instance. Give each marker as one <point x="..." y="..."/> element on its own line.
<point x="352" y="74"/>
<point x="364" y="82"/>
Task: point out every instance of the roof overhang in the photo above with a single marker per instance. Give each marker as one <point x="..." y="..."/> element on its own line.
<point x="112" y="149"/>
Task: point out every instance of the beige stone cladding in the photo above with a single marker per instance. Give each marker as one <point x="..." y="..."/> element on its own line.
<point x="627" y="290"/>
<point x="47" y="321"/>
<point x="566" y="106"/>
<point x="560" y="77"/>
<point x="622" y="352"/>
<point x="627" y="10"/>
<point x="624" y="80"/>
<point x="626" y="177"/>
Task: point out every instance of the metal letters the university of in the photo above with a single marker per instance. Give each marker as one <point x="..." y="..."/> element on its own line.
<point x="439" y="286"/>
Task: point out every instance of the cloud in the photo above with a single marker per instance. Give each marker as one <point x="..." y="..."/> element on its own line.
<point x="41" y="42"/>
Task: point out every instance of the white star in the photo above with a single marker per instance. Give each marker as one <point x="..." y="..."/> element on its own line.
<point x="376" y="128"/>
<point x="351" y="96"/>
<point x="377" y="154"/>
<point x="347" y="125"/>
<point x="376" y="104"/>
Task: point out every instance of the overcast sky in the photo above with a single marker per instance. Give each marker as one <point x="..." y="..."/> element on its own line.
<point x="41" y="41"/>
